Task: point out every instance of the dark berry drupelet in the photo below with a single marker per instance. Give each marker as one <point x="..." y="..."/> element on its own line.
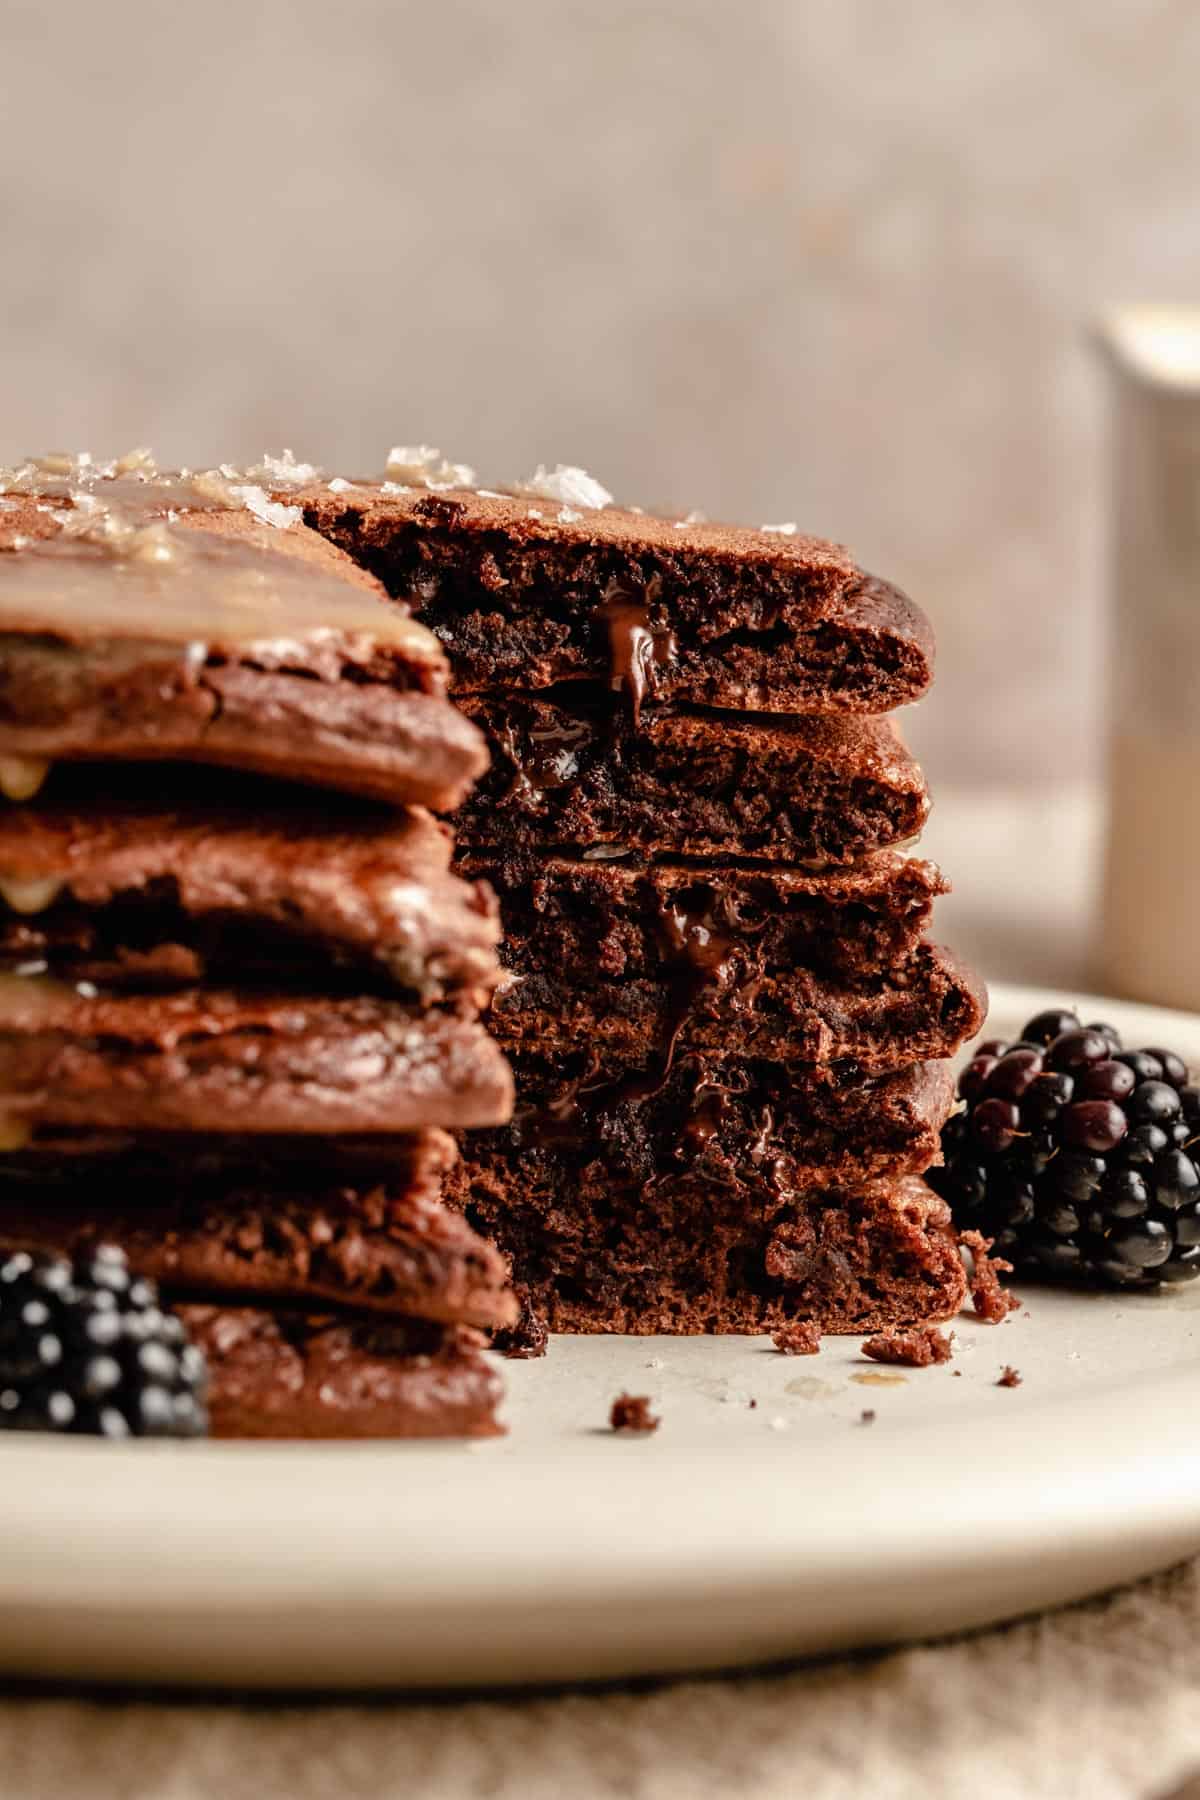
<point x="86" y="1347"/>
<point x="1079" y="1157"/>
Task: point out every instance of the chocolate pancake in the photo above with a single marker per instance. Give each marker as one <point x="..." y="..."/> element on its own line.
<point x="770" y="962"/>
<point x="249" y="1162"/>
<point x="390" y="1249"/>
<point x="234" y="882"/>
<point x="590" y="1123"/>
<point x="152" y="619"/>
<point x="627" y="920"/>
<point x="688" y="1255"/>
<point x="924" y="1008"/>
<point x="525" y="591"/>
<point x="294" y="1374"/>
<point x="197" y="1061"/>
<point x="568" y="772"/>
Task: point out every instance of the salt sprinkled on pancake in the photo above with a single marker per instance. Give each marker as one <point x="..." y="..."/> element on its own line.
<point x="573" y="486"/>
<point x="283" y="471"/>
<point x="271" y="512"/>
<point x="420" y="465"/>
<point x="134" y="483"/>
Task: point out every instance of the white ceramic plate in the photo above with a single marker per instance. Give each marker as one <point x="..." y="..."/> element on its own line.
<point x="737" y="1533"/>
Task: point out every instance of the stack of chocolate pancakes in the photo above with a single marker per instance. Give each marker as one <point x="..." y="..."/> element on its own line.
<point x="729" y="1029"/>
<point x="239" y="984"/>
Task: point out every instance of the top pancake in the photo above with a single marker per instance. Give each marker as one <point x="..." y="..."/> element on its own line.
<point x="525" y="592"/>
<point x="159" y="617"/>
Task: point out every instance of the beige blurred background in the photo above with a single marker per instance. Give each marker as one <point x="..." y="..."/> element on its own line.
<point x="824" y="262"/>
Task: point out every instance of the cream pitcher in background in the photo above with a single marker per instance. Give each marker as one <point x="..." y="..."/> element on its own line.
<point x="1149" y="945"/>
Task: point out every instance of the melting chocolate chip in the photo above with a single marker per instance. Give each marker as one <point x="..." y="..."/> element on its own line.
<point x="635" y="648"/>
<point x="546" y="757"/>
<point x="710" y="1103"/>
<point x="693" y="937"/>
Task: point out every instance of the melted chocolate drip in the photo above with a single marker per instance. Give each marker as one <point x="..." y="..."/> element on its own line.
<point x="701" y="929"/>
<point x="694" y="940"/>
<point x="635" y="648"/>
<point x="547" y="758"/>
<point x="561" y="1121"/>
<point x="710" y="1103"/>
<point x="771" y="1166"/>
<point x="700" y="932"/>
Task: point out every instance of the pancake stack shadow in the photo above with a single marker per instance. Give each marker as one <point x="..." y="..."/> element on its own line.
<point x="239" y="1007"/>
<point x="728" y="1026"/>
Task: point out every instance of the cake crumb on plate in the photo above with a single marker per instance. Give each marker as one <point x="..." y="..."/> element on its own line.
<point x="631" y="1413"/>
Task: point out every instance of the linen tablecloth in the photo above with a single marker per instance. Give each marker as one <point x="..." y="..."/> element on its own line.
<point x="1098" y="1702"/>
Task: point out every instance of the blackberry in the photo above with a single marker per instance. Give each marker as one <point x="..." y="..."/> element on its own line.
<point x="1079" y="1157"/>
<point x="86" y="1347"/>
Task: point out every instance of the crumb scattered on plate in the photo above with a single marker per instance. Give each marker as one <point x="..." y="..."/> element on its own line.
<point x="991" y="1299"/>
<point x="916" y="1349"/>
<point x="631" y="1412"/>
<point x="528" y="1337"/>
<point x="800" y="1338"/>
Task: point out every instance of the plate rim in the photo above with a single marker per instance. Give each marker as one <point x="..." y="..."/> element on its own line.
<point x="772" y="1600"/>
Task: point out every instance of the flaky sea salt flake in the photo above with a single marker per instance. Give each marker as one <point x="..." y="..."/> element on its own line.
<point x="565" y="482"/>
<point x="213" y="486"/>
<point x="568" y="516"/>
<point x="283" y="471"/>
<point x="271" y="512"/>
<point x="421" y="465"/>
<point x="136" y="462"/>
<point x="787" y="530"/>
